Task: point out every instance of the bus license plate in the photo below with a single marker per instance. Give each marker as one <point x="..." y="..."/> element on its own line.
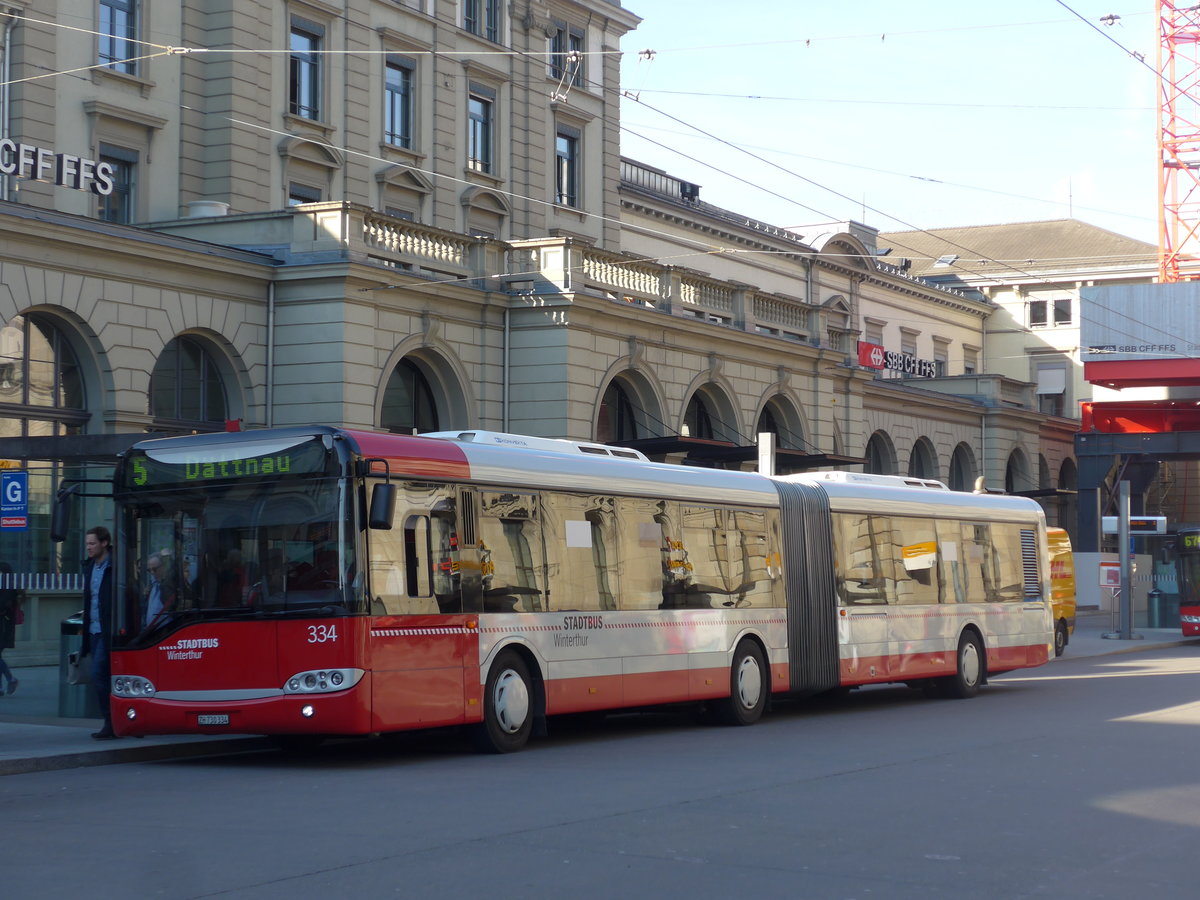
<point x="213" y="719"/>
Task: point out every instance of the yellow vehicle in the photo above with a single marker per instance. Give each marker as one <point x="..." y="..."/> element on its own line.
<point x="1062" y="586"/>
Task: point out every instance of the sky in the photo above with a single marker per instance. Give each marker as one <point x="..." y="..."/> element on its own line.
<point x="918" y="115"/>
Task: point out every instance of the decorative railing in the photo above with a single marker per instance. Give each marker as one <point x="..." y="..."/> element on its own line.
<point x="790" y="314"/>
<point x="612" y="272"/>
<point x="396" y="241"/>
<point x="708" y="295"/>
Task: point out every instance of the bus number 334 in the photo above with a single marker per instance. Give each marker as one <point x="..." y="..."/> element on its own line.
<point x="320" y="634"/>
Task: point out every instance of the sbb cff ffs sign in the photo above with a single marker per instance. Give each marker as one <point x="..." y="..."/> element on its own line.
<point x="873" y="356"/>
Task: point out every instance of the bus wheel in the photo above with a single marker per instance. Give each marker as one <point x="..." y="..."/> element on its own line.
<point x="965" y="682"/>
<point x="507" y="706"/>
<point x="748" y="686"/>
<point x="1060" y="638"/>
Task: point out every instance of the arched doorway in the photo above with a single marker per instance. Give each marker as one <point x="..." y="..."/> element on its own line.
<point x="962" y="469"/>
<point x="409" y="405"/>
<point x="881" y="455"/>
<point x="1016" y="472"/>
<point x="922" y="462"/>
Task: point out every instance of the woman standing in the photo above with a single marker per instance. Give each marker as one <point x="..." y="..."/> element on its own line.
<point x="10" y="610"/>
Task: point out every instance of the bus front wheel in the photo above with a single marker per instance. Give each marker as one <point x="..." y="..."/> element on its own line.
<point x="1060" y="638"/>
<point x="507" y="706"/>
<point x="749" y="683"/>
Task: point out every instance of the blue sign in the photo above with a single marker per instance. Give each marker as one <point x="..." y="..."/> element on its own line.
<point x="14" y="500"/>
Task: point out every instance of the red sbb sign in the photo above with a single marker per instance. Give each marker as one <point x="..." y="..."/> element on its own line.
<point x="14" y="522"/>
<point x="873" y="356"/>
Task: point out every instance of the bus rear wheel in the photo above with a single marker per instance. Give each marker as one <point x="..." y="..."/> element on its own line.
<point x="1060" y="638"/>
<point x="507" y="706"/>
<point x="749" y="684"/>
<point x="970" y="670"/>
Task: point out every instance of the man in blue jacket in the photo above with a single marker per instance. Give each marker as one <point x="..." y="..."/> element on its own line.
<point x="97" y="618"/>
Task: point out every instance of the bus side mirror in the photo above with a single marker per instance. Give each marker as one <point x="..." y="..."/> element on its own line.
<point x="60" y="516"/>
<point x="383" y="497"/>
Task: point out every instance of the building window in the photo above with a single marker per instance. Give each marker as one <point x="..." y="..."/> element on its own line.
<point x="618" y="418"/>
<point x="481" y="116"/>
<point x="482" y="17"/>
<point x="39" y="371"/>
<point x="118" y="35"/>
<point x="302" y="193"/>
<point x="1052" y="390"/>
<point x="1049" y="313"/>
<point x="186" y="388"/>
<point x="566" y="167"/>
<point x="566" y="55"/>
<point x="304" y="73"/>
<point x="697" y="421"/>
<point x="409" y="406"/>
<point x="941" y="357"/>
<point x="118" y="206"/>
<point x="970" y="360"/>
<point x="398" y="110"/>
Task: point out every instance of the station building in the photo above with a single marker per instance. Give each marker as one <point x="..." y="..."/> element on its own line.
<point x="415" y="216"/>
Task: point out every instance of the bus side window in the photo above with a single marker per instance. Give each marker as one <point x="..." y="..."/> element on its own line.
<point x="510" y="552"/>
<point x="640" y="554"/>
<point x="1008" y="577"/>
<point x="952" y="556"/>
<point x="862" y="571"/>
<point x="416" y="556"/>
<point x="916" y="553"/>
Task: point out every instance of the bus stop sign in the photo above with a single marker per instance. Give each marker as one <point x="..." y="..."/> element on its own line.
<point x="14" y="500"/>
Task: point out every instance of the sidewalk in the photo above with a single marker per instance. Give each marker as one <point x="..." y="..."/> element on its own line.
<point x="32" y="743"/>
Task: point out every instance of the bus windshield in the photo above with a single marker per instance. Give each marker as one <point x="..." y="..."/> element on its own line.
<point x="221" y="534"/>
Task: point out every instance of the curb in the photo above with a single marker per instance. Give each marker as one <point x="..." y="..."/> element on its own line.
<point x="147" y="753"/>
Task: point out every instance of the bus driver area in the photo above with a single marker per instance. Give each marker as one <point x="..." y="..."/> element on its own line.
<point x="374" y="582"/>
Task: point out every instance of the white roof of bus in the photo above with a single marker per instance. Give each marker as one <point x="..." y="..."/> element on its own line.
<point x="526" y="442"/>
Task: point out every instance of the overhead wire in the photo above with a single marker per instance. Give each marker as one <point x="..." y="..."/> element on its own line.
<point x="706" y="248"/>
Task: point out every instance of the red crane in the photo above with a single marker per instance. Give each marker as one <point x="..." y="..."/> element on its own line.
<point x="1179" y="141"/>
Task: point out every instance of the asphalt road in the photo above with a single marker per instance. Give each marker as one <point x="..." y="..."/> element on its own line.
<point x="1079" y="779"/>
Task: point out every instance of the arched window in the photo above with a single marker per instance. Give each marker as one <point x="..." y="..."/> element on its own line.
<point x="617" y="421"/>
<point x="768" y="425"/>
<point x="186" y="389"/>
<point x="1016" y="473"/>
<point x="409" y="406"/>
<point x="881" y="457"/>
<point x="697" y="422"/>
<point x="41" y="390"/>
<point x="962" y="469"/>
<point x="922" y="463"/>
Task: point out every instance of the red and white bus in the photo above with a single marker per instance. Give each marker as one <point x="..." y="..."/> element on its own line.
<point x="324" y="581"/>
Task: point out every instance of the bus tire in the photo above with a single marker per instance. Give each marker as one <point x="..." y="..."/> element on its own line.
<point x="749" y="684"/>
<point x="1060" y="638"/>
<point x="970" y="669"/>
<point x="507" y="706"/>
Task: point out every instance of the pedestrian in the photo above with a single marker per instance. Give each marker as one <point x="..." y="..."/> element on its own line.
<point x="10" y="617"/>
<point x="160" y="600"/>
<point x="97" y="619"/>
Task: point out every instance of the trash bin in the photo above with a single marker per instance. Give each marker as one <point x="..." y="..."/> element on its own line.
<point x="75" y="701"/>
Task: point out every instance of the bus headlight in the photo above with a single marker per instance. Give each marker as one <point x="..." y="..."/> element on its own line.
<point x="132" y="686"/>
<point x="322" y="681"/>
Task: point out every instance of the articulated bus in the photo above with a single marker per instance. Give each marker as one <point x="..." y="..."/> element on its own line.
<point x="323" y="581"/>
